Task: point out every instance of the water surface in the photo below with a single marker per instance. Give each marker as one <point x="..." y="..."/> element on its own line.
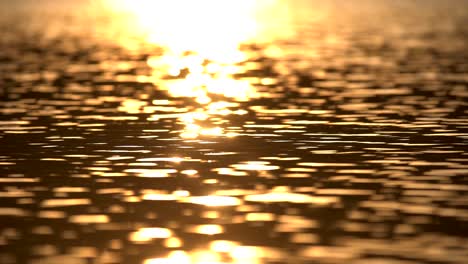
<point x="233" y="132"/>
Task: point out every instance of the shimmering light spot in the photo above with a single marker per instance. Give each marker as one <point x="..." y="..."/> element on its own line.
<point x="149" y="233"/>
<point x="189" y="172"/>
<point x="152" y="173"/>
<point x="247" y="254"/>
<point x="51" y="214"/>
<point x="9" y="211"/>
<point x="322" y="164"/>
<point x="18" y="180"/>
<point x="214" y="200"/>
<point x="338" y="254"/>
<point x="16" y="193"/>
<point x="168" y="159"/>
<point x="223" y="246"/>
<point x="256" y="166"/>
<point x="132" y="106"/>
<point x="70" y="189"/>
<point x="159" y="197"/>
<point x="235" y="192"/>
<point x="175" y="257"/>
<point x="282" y="196"/>
<point x="303" y="238"/>
<point x="210" y="181"/>
<point x="173" y="242"/>
<point x="259" y="217"/>
<point x="229" y="171"/>
<point x="64" y="202"/>
<point x="207" y="229"/>
<point x="89" y="219"/>
<point x="181" y="193"/>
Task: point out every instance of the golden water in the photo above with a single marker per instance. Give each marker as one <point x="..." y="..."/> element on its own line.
<point x="267" y="131"/>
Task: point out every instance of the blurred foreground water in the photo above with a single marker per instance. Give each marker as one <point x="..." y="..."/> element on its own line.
<point x="233" y="132"/>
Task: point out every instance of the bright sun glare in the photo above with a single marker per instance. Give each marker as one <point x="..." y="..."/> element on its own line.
<point x="211" y="28"/>
<point x="202" y="48"/>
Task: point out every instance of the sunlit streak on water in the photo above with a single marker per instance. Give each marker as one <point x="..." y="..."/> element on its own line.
<point x="218" y="252"/>
<point x="202" y="44"/>
<point x="200" y="82"/>
<point x="147" y="234"/>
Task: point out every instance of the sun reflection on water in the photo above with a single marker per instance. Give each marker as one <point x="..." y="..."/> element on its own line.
<point x="203" y="53"/>
<point x="201" y="44"/>
<point x="214" y="29"/>
<point x="202" y="79"/>
<point x="218" y="252"/>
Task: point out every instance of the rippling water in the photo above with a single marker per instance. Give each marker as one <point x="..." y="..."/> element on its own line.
<point x="233" y="132"/>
